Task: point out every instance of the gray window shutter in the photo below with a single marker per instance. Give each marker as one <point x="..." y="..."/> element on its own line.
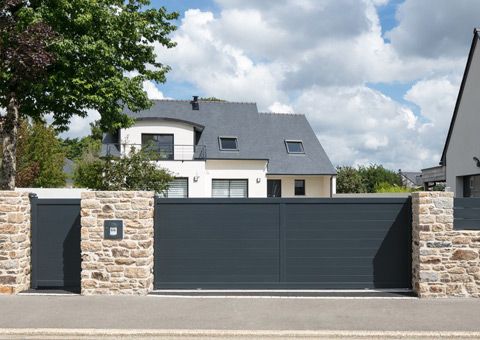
<point x="238" y="188"/>
<point x="220" y="188"/>
<point x="178" y="188"/>
<point x="225" y="188"/>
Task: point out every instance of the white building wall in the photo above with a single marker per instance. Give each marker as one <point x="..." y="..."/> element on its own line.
<point x="252" y="170"/>
<point x="183" y="135"/>
<point x="315" y="186"/>
<point x="465" y="139"/>
<point x="194" y="170"/>
<point x="201" y="173"/>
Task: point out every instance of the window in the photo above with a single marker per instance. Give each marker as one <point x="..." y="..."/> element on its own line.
<point x="160" y="144"/>
<point x="178" y="188"/>
<point x="229" y="188"/>
<point x="294" y="146"/>
<point x="274" y="188"/>
<point x="471" y="186"/>
<point x="299" y="187"/>
<point x="228" y="143"/>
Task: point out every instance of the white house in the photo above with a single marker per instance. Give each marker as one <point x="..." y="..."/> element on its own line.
<point x="460" y="162"/>
<point x="227" y="149"/>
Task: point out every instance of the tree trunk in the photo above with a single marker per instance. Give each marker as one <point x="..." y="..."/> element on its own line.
<point x="8" y="138"/>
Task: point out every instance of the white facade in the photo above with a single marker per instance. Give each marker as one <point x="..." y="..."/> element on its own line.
<point x="202" y="172"/>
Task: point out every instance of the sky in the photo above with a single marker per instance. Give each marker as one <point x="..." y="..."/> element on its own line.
<point x="377" y="79"/>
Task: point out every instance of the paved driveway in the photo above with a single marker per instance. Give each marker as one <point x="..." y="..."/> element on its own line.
<point x="216" y="313"/>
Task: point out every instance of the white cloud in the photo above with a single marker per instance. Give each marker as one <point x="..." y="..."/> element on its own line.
<point x="433" y="28"/>
<point x="152" y="90"/>
<point x="280" y="108"/>
<point x="358" y="125"/>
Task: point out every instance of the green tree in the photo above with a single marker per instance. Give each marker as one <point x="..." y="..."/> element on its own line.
<point x="374" y="174"/>
<point x="389" y="188"/>
<point x="136" y="171"/>
<point x="349" y="180"/>
<point x="75" y="147"/>
<point x="27" y="171"/>
<point x="45" y="150"/>
<point x="67" y="56"/>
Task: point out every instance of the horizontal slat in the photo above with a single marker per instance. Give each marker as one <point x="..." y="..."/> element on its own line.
<point x="466" y="202"/>
<point x="467" y="213"/>
<point x="469" y="224"/>
<point x="277" y="200"/>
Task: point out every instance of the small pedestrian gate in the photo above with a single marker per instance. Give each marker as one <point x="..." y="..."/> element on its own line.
<point x="283" y="243"/>
<point x="56" y="259"/>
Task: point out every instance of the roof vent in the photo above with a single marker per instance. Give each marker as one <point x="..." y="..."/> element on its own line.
<point x="195" y="104"/>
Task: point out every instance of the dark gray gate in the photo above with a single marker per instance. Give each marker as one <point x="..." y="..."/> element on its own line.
<point x="283" y="243"/>
<point x="56" y="258"/>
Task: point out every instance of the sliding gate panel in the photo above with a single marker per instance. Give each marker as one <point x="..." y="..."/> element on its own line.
<point x="283" y="243"/>
<point x="56" y="258"/>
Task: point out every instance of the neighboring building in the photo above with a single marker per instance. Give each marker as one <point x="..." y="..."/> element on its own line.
<point x="226" y="149"/>
<point x="460" y="162"/>
<point x="411" y="179"/>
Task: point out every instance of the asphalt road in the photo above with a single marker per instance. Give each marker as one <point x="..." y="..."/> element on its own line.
<point x="279" y="314"/>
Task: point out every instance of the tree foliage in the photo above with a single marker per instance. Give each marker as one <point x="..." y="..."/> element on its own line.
<point x="40" y="157"/>
<point x="374" y="174"/>
<point x="349" y="180"/>
<point x="76" y="147"/>
<point x="370" y="179"/>
<point x="136" y="171"/>
<point x="67" y="56"/>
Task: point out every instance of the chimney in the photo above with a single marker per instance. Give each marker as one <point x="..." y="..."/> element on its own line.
<point x="195" y="104"/>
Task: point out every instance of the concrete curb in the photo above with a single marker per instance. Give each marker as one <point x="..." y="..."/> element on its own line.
<point x="86" y="333"/>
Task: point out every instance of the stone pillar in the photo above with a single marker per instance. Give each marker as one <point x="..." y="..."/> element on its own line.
<point x="117" y="266"/>
<point x="14" y="242"/>
<point x="445" y="262"/>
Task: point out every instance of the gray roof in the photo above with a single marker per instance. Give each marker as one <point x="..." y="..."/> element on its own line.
<point x="260" y="135"/>
<point x="413" y="177"/>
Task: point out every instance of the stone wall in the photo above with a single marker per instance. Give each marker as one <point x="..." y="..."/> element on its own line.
<point x="117" y="266"/>
<point x="445" y="261"/>
<point x="14" y="242"/>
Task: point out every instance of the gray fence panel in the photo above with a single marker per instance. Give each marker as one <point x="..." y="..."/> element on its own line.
<point x="466" y="213"/>
<point x="283" y="243"/>
<point x="56" y="258"/>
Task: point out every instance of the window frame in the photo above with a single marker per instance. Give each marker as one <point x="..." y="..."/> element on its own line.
<point x="172" y="158"/>
<point x="227" y="137"/>
<point x="295" y="141"/>
<point x="295" y="187"/>
<point x="229" y="186"/>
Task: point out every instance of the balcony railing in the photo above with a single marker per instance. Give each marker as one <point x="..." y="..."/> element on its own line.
<point x="160" y="152"/>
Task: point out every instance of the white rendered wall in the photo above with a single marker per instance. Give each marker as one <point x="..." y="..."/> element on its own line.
<point x="239" y="169"/>
<point x="206" y="171"/>
<point x="183" y="135"/>
<point x="190" y="169"/>
<point x="315" y="186"/>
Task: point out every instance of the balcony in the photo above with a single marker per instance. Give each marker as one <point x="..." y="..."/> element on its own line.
<point x="161" y="152"/>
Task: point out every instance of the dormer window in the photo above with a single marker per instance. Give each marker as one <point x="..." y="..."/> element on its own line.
<point x="228" y="143"/>
<point x="294" y="146"/>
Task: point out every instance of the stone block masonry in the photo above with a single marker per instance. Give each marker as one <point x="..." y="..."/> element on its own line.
<point x="445" y="261"/>
<point x="14" y="242"/>
<point x="117" y="266"/>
